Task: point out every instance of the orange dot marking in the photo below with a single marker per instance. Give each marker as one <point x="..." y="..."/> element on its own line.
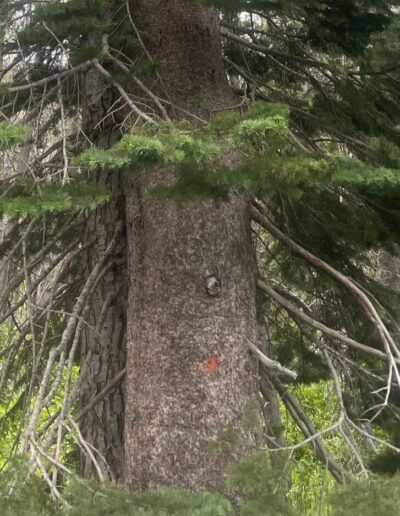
<point x="212" y="364"/>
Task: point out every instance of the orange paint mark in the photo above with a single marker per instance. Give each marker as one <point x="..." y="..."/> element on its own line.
<point x="212" y="364"/>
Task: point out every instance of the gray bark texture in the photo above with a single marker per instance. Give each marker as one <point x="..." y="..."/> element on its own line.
<point x="192" y="281"/>
<point x="185" y="37"/>
<point x="189" y="374"/>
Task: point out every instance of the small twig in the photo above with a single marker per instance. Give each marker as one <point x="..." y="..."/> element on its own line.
<point x="123" y="93"/>
<point x="87" y="449"/>
<point x="141" y="85"/>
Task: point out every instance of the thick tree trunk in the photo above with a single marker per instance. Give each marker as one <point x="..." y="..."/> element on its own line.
<point x="184" y="37"/>
<point x="103" y="352"/>
<point x="189" y="375"/>
<point x="192" y="280"/>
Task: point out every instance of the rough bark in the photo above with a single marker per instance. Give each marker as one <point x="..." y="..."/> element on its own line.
<point x="184" y="36"/>
<point x="189" y="375"/>
<point x="192" y="281"/>
<point x="103" y="352"/>
<point x="104" y="339"/>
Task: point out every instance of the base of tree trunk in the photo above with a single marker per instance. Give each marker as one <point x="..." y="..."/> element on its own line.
<point x="190" y="379"/>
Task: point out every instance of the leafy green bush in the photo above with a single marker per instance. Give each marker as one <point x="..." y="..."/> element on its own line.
<point x="253" y="482"/>
<point x="11" y="135"/>
<point x="379" y="496"/>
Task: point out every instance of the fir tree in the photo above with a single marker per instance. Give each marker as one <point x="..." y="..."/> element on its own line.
<point x="132" y="169"/>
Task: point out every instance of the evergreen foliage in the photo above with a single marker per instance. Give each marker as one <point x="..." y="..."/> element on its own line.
<point x="75" y="23"/>
<point x="254" y="479"/>
<point x="11" y="136"/>
<point x="54" y="198"/>
<point x="253" y="482"/>
<point x="377" y="496"/>
<point x="317" y="135"/>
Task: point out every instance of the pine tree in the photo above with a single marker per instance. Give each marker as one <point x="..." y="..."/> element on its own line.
<point x="131" y="247"/>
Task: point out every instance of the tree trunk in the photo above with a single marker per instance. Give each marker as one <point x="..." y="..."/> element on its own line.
<point x="103" y="351"/>
<point x="192" y="281"/>
<point x="191" y="277"/>
<point x="184" y="37"/>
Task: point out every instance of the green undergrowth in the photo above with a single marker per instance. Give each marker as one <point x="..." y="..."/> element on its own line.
<point x="253" y="480"/>
<point x="12" y="135"/>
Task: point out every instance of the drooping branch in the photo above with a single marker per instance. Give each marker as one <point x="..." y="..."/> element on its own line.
<point x="388" y="343"/>
<point x="334" y="334"/>
<point x="284" y="56"/>
<point x="307" y="428"/>
<point x="45" y="396"/>
<point x="51" y="78"/>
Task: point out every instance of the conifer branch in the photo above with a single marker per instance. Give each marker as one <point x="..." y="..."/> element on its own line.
<point x="387" y="340"/>
<point x="269" y="363"/>
<point x="334" y="334"/>
<point x="141" y="85"/>
<point x="272" y="52"/>
<point x="50" y="266"/>
<point x="55" y="77"/>
<point x="141" y="114"/>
